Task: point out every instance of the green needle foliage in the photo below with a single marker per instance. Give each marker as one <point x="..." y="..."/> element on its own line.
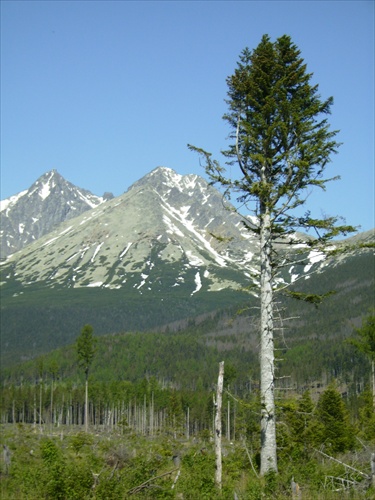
<point x="281" y="139"/>
<point x="365" y="339"/>
<point x="334" y="430"/>
<point x="281" y="143"/>
<point x="86" y="348"/>
<point x="365" y="343"/>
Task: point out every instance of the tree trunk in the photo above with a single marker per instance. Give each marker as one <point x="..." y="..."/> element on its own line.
<point x="268" y="425"/>
<point x="219" y="397"/>
<point x="188" y="423"/>
<point x="51" y="415"/>
<point x="87" y="405"/>
<point x="34" y="418"/>
<point x="40" y="404"/>
<point x="228" y="421"/>
<point x="373" y="383"/>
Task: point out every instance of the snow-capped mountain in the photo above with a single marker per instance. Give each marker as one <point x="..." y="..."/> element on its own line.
<point x="28" y="215"/>
<point x="163" y="220"/>
<point x="165" y="250"/>
<point x="166" y="232"/>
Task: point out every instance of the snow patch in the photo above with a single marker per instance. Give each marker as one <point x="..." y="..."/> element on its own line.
<point x="205" y="197"/>
<point x="97" y="283"/>
<point x="209" y="222"/>
<point x="184" y="210"/>
<point x="248" y="256"/>
<point x="97" y="249"/>
<point x="144" y="278"/>
<point x="125" y="249"/>
<point x="57" y="237"/>
<point x="180" y="217"/>
<point x="46" y="190"/>
<point x="193" y="259"/>
<point x="4" y="204"/>
<point x="72" y="257"/>
<point x="314" y="257"/>
<point x="172" y="228"/>
<point x="198" y="283"/>
<point x="91" y="201"/>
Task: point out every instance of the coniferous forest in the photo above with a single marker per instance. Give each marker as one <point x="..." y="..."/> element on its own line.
<point x="151" y="418"/>
<point x="184" y="410"/>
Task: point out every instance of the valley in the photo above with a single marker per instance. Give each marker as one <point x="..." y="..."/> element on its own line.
<point x="167" y="277"/>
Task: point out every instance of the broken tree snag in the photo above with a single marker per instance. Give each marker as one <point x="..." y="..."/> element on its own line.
<point x="147" y="483"/>
<point x="218" y="404"/>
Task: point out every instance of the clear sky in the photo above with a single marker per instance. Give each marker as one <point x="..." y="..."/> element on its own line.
<point x="106" y="91"/>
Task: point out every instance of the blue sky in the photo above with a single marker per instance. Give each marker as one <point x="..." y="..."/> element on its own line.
<point x="104" y="92"/>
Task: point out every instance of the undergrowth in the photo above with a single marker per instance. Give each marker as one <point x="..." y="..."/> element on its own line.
<point x="68" y="464"/>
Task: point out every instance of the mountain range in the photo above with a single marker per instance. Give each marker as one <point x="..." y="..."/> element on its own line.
<point x="167" y="249"/>
<point x="164" y="217"/>
<point x="32" y="213"/>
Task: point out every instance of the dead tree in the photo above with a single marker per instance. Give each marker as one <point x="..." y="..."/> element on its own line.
<point x="218" y="433"/>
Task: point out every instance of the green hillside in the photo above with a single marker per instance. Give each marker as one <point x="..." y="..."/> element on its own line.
<point x="186" y="352"/>
<point x="43" y="319"/>
<point x="151" y="398"/>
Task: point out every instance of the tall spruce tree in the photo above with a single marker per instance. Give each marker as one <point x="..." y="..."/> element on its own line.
<point x="365" y="343"/>
<point x="334" y="430"/>
<point x="281" y="144"/>
<point x="86" y="349"/>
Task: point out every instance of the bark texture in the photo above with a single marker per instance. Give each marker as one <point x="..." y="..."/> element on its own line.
<point x="218" y="432"/>
<point x="267" y="374"/>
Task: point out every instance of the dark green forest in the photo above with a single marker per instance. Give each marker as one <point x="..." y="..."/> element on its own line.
<point x="151" y="407"/>
<point x="151" y="397"/>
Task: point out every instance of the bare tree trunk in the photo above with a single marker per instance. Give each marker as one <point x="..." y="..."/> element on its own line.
<point x="268" y="424"/>
<point x="87" y="405"/>
<point x="144" y="415"/>
<point x="152" y="414"/>
<point x="373" y="383"/>
<point x="188" y="423"/>
<point x="40" y="403"/>
<point x="219" y="398"/>
<point x="34" y="418"/>
<point x="51" y="403"/>
<point x="228" y="421"/>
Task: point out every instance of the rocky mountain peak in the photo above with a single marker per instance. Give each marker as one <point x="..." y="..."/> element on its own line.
<point x="163" y="250"/>
<point x="30" y="214"/>
<point x="167" y="231"/>
<point x="164" y="179"/>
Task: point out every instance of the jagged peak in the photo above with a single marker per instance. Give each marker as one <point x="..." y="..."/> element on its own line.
<point x="50" y="200"/>
<point x="50" y="175"/>
<point x="9" y="202"/>
<point x="46" y="182"/>
<point x="164" y="170"/>
<point x="165" y="177"/>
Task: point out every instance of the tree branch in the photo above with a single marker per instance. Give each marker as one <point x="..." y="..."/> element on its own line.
<point x="140" y="487"/>
<point x="342" y="463"/>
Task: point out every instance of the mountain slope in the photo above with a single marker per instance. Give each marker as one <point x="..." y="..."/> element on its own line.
<point x="164" y="251"/>
<point x="36" y="211"/>
<point x="163" y="221"/>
